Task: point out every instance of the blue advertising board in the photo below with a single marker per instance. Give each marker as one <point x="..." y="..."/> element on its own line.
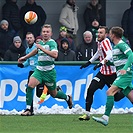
<point x="72" y="79"/>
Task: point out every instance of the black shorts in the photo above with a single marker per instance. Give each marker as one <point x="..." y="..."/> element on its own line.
<point x="101" y="80"/>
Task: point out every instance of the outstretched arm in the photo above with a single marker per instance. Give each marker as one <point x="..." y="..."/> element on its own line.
<point x="32" y="53"/>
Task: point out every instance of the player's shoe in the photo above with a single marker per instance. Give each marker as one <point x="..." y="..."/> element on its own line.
<point x="69" y="102"/>
<point x="100" y="120"/>
<point x="27" y="112"/>
<point x="84" y="117"/>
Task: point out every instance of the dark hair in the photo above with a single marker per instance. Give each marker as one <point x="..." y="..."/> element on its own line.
<point x="104" y="27"/>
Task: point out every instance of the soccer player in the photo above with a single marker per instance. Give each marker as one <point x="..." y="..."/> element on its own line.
<point x="123" y="59"/>
<point x="107" y="73"/>
<point x="32" y="62"/>
<point x="44" y="72"/>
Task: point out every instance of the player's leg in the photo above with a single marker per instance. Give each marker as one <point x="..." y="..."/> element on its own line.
<point x="96" y="83"/>
<point x="33" y="82"/>
<point x="50" y="82"/>
<point x="109" y="80"/>
<point x="109" y="105"/>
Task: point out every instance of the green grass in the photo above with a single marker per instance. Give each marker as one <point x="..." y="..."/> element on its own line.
<point x="120" y="123"/>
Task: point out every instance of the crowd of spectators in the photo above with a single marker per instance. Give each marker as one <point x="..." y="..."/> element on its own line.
<point x="13" y="25"/>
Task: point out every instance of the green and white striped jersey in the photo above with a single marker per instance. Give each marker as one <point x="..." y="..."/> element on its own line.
<point x="46" y="62"/>
<point x="122" y="56"/>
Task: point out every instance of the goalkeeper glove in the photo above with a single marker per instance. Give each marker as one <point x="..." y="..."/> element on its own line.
<point x="85" y="65"/>
<point x="20" y="65"/>
<point x="97" y="66"/>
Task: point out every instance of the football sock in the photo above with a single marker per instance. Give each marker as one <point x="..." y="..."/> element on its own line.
<point x="44" y="94"/>
<point x="29" y="95"/>
<point x="61" y="95"/>
<point x="109" y="105"/>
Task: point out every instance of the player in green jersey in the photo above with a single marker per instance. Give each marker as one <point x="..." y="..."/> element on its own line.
<point x="44" y="72"/>
<point x="123" y="59"/>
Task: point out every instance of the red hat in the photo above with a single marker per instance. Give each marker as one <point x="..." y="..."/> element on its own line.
<point x="39" y="37"/>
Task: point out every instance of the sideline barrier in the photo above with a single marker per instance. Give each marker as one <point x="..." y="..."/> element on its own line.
<point x="70" y="77"/>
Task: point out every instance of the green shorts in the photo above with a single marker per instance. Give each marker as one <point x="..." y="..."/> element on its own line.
<point x="124" y="82"/>
<point x="46" y="77"/>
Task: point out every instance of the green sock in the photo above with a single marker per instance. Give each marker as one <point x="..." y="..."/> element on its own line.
<point x="61" y="95"/>
<point x="109" y="105"/>
<point x="29" y="95"/>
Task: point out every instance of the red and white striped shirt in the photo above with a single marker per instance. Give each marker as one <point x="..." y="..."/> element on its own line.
<point x="104" y="48"/>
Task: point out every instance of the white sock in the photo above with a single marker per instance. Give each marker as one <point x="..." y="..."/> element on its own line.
<point x="87" y="113"/>
<point x="105" y="117"/>
<point x="67" y="98"/>
<point x="28" y="106"/>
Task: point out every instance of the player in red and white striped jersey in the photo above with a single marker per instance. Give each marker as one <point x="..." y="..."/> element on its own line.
<point x="106" y="75"/>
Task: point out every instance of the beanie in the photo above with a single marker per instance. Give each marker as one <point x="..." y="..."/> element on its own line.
<point x="64" y="40"/>
<point x="17" y="38"/>
<point x="39" y="37"/>
<point x="63" y="28"/>
<point x="4" y="22"/>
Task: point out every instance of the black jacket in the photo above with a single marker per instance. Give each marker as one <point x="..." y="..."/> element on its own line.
<point x="13" y="53"/>
<point x="5" y="41"/>
<point x="34" y="28"/>
<point x="127" y="21"/>
<point x="85" y="51"/>
<point x="66" y="55"/>
<point x="92" y="13"/>
<point x="10" y="12"/>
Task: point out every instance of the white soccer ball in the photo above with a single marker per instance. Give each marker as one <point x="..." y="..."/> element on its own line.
<point x="30" y="17"/>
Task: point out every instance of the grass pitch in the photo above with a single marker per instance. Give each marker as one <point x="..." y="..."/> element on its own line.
<point x="119" y="123"/>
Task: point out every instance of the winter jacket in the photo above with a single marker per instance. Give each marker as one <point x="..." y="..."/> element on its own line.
<point x="68" y="18"/>
<point x="6" y="39"/>
<point x="13" y="53"/>
<point x="10" y="12"/>
<point x="86" y="50"/>
<point x="92" y="13"/>
<point x="36" y="27"/>
<point x="66" y="55"/>
<point x="127" y="22"/>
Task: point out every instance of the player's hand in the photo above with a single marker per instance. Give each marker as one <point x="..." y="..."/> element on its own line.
<point x="21" y="59"/>
<point x="38" y="46"/>
<point x="122" y="72"/>
<point x="20" y="65"/>
<point x="85" y="65"/>
<point x="97" y="66"/>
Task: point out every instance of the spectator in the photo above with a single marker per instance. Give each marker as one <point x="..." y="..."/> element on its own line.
<point x="93" y="16"/>
<point x="87" y="49"/>
<point x="63" y="34"/>
<point x="5" y="38"/>
<point x="65" y="53"/>
<point x="38" y="39"/>
<point x="127" y="24"/>
<point x="15" y="51"/>
<point x="68" y="18"/>
<point x="10" y="12"/>
<point x="34" y="28"/>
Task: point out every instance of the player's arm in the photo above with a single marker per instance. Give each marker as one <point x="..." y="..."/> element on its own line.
<point x="32" y="53"/>
<point x="53" y="53"/>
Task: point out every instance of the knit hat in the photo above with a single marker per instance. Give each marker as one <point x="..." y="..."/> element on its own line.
<point x="64" y="40"/>
<point x="17" y="38"/>
<point x="4" y="22"/>
<point x="39" y="37"/>
<point x="63" y="28"/>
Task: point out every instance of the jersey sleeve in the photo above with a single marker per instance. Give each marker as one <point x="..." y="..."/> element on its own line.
<point x="128" y="53"/>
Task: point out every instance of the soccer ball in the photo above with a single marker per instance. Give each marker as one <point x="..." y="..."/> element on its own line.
<point x="30" y="17"/>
